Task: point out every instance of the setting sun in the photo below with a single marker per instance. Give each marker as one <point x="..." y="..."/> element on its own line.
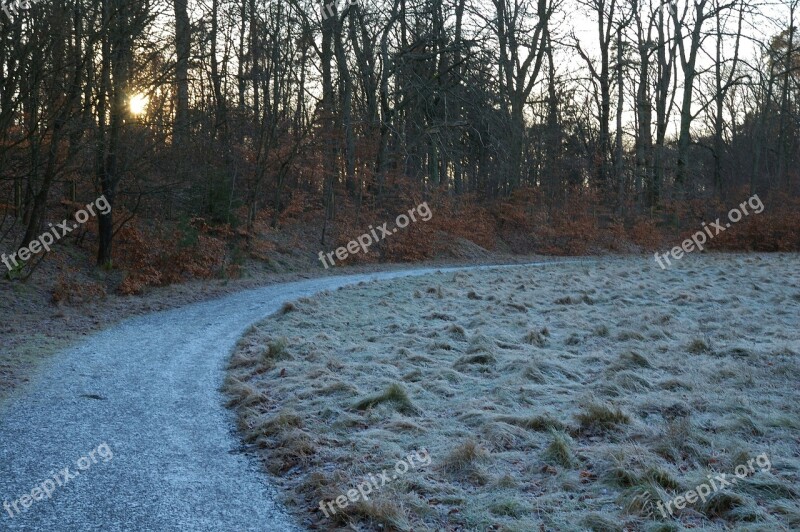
<point x="138" y="104"/>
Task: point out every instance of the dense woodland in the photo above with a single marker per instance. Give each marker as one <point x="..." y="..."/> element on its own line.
<point x="556" y="126"/>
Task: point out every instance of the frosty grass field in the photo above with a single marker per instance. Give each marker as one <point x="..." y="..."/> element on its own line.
<point x="563" y="397"/>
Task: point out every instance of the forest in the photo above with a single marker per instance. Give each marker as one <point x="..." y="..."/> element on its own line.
<point x="530" y="126"/>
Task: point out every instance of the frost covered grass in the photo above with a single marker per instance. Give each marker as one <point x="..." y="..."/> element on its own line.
<point x="563" y="397"/>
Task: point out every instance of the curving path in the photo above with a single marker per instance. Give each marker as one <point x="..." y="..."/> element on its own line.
<point x="147" y="388"/>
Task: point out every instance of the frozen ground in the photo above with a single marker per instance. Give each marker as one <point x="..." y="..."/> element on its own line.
<point x="567" y="397"/>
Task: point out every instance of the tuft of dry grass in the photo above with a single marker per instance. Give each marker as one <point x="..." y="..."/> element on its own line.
<point x="287" y="307"/>
<point x="466" y="462"/>
<point x="536" y="338"/>
<point x="722" y="504"/>
<point x="274" y="425"/>
<point x="601" y="523"/>
<point x="482" y="359"/>
<point x="508" y="508"/>
<point x="457" y="332"/>
<point x="538" y="423"/>
<point x="601" y="416"/>
<point x="385" y="513"/>
<point x="294" y="447"/>
<point x="559" y="450"/>
<point x="633" y="360"/>
<point x="395" y="395"/>
<point x="601" y="331"/>
<point x="698" y="346"/>
<point x="277" y="350"/>
<point x="242" y="394"/>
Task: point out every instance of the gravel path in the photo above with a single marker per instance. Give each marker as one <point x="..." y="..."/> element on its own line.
<point x="148" y="389"/>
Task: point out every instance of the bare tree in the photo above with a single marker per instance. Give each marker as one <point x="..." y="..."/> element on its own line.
<point x="688" y="61"/>
<point x="522" y="51"/>
<point x="605" y="11"/>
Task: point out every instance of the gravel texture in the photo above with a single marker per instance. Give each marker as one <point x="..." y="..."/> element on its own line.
<point x="149" y="389"/>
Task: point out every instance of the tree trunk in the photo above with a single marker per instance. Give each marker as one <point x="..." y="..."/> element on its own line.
<point x="347" y="109"/>
<point x="183" y="51"/>
<point x="644" y="118"/>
